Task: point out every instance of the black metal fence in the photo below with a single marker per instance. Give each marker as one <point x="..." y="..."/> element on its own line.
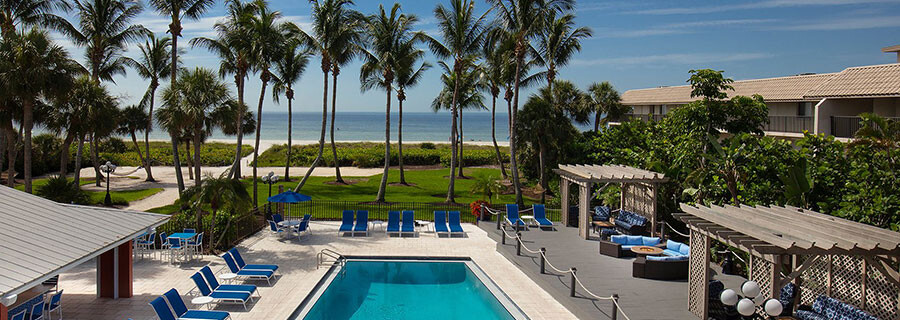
<point x="796" y="124"/>
<point x="333" y="210"/>
<point x="846" y="127"/>
<point x="222" y="230"/>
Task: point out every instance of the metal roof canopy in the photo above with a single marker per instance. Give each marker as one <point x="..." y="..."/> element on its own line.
<point x="40" y="238"/>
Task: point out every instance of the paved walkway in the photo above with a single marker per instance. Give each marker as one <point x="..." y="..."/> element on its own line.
<point x="298" y="274"/>
<point x="603" y="275"/>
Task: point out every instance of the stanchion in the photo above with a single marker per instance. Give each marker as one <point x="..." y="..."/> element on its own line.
<point x="502" y="237"/>
<point x="572" y="290"/>
<point x="615" y="311"/>
<point x="518" y="243"/>
<point x="498" y="221"/>
<point x="543" y="260"/>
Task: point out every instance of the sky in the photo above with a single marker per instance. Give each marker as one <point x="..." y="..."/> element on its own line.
<point x="636" y="44"/>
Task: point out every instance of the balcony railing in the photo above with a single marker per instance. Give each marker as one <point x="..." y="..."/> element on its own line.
<point x="641" y="117"/>
<point x="846" y="127"/>
<point x="795" y="124"/>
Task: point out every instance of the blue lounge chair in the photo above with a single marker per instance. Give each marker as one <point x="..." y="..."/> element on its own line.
<point x="53" y="305"/>
<point x="540" y="216"/>
<point x="220" y="296"/>
<point x="18" y="316"/>
<point x="455" y="227"/>
<point x="215" y="286"/>
<point x="181" y="311"/>
<point x="440" y="223"/>
<point x="37" y="311"/>
<point x="362" y="222"/>
<point x="247" y="274"/>
<point x="409" y="223"/>
<point x="346" y="222"/>
<point x="239" y="260"/>
<point x="393" y="223"/>
<point x="512" y="216"/>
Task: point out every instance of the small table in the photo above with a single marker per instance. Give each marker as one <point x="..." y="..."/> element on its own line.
<point x="529" y="220"/>
<point x="424" y="223"/>
<point x="183" y="237"/>
<point x="290" y="223"/>
<point x="203" y="301"/>
<point x="646" y="250"/>
<point x="378" y="223"/>
<point x="227" y="277"/>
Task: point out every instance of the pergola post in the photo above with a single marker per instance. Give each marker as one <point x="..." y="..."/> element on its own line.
<point x="564" y="200"/>
<point x="115" y="273"/>
<point x="584" y="204"/>
<point x="653" y="213"/>
<point x="698" y="275"/>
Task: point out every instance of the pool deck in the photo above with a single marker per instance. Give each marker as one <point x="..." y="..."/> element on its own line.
<point x="603" y="275"/>
<point x="298" y="274"/>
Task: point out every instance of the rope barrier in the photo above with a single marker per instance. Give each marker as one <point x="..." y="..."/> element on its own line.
<point x="676" y="231"/>
<point x="734" y="254"/>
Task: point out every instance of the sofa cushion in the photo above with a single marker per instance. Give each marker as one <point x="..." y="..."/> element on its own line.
<point x="671" y="253"/>
<point x="809" y="315"/>
<point x="665" y="258"/>
<point x="685" y="249"/>
<point x="627" y="247"/>
<point x="622" y="224"/>
<point x="601" y="213"/>
<point x="635" y="240"/>
<point x="673" y="245"/>
<point x="620" y="239"/>
<point x="650" y="241"/>
<point x="656" y="258"/>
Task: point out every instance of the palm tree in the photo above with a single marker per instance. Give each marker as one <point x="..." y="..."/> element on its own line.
<point x="104" y="28"/>
<point x="558" y="42"/>
<point x="386" y="33"/>
<point x="604" y="99"/>
<point x="29" y="13"/>
<point x="267" y="38"/>
<point x="233" y="48"/>
<point x="494" y="69"/>
<point x="468" y="97"/>
<point x="172" y="118"/>
<point x="153" y="64"/>
<point x="288" y="71"/>
<point x="201" y="93"/>
<point x="34" y="68"/>
<point x="131" y="120"/>
<point x="334" y="33"/>
<point x="179" y="10"/>
<point x="880" y="132"/>
<point x="523" y="20"/>
<point x="462" y="34"/>
<point x="222" y="193"/>
<point x="344" y="47"/>
<point x="407" y="76"/>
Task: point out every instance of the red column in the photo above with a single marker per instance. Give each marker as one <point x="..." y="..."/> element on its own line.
<point x="4" y="312"/>
<point x="114" y="272"/>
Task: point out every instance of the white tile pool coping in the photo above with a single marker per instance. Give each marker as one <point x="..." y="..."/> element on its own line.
<point x="298" y="273"/>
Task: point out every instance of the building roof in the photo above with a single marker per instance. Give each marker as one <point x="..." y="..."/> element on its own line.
<point x="865" y="81"/>
<point x="608" y="173"/>
<point x="783" y="89"/>
<point x="40" y="238"/>
<point x="789" y="230"/>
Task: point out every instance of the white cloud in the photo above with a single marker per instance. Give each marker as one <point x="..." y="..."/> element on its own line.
<point x="679" y="28"/>
<point x="768" y="4"/>
<point x="846" y="24"/>
<point x="672" y="59"/>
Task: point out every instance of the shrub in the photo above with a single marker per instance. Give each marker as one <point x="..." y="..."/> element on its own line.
<point x="427" y="145"/>
<point x="60" y="189"/>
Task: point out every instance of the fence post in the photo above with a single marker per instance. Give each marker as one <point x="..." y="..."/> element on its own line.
<point x="502" y="237"/>
<point x="498" y="222"/>
<point x="572" y="289"/>
<point x="615" y="311"/>
<point x="518" y="243"/>
<point x="543" y="251"/>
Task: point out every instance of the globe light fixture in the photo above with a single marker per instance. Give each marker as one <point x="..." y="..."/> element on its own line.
<point x="270" y="179"/>
<point x="107" y="168"/>
<point x="750" y="289"/>
<point x="749" y="299"/>
<point x="746" y="307"/>
<point x="729" y="297"/>
<point x="773" y="307"/>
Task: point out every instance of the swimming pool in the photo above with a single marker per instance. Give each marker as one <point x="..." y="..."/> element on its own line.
<point x="407" y="289"/>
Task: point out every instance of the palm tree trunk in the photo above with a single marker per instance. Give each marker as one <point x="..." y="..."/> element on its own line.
<point x="149" y="128"/>
<point x="400" y="140"/>
<point x="137" y="148"/>
<point x="597" y="121"/>
<point x="542" y="154"/>
<point x="95" y="159"/>
<point x="494" y="135"/>
<point x="189" y="158"/>
<point x="451" y="192"/>
<point x="387" y="147"/>
<point x="236" y="167"/>
<point x="514" y="168"/>
<point x="64" y="153"/>
<point x="3" y="140"/>
<point x="322" y="135"/>
<point x="197" y="166"/>
<point x="262" y="97"/>
<point x="179" y="177"/>
<point x="11" y="140"/>
<point x="176" y="25"/>
<point x="28" y="121"/>
<point x="337" y="165"/>
<point x="79" y="154"/>
<point x="462" y="141"/>
<point x="287" y="162"/>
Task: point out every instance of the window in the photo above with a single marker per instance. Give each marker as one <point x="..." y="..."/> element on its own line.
<point x="804" y="108"/>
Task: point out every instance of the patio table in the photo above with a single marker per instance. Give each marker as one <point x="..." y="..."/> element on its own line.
<point x="183" y="237"/>
<point x="203" y="301"/>
<point x="290" y="223"/>
<point x="424" y="223"/>
<point x="529" y="220"/>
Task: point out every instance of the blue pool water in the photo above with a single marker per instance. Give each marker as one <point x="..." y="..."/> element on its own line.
<point x="407" y="290"/>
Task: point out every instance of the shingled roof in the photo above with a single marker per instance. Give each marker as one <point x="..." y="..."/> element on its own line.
<point x="865" y="81"/>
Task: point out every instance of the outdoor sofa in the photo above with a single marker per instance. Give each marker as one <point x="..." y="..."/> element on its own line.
<point x="631" y="223"/>
<point x="620" y="245"/>
<point x="825" y="307"/>
<point x="660" y="267"/>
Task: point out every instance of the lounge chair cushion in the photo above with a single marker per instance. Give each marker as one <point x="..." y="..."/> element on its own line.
<point x="255" y="273"/>
<point x="202" y="314"/>
<point x="441" y="227"/>
<point x="230" y="295"/>
<point x="240" y="262"/>
<point x="455" y="228"/>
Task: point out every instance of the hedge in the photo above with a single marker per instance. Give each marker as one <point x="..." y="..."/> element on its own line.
<point x="371" y="155"/>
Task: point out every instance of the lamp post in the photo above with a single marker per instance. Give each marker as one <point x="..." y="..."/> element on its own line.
<point x="270" y="179"/>
<point x="744" y="303"/>
<point x="107" y="168"/>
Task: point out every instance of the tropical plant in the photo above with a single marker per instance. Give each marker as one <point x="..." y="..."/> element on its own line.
<point x="288" y="71"/>
<point x="29" y="13"/>
<point x="487" y="186"/>
<point x="386" y="33"/>
<point x="462" y="36"/>
<point x="469" y="96"/>
<point x="33" y="67"/>
<point x="177" y="11"/>
<point x="879" y="131"/>
<point x="494" y="73"/>
<point x="220" y="194"/>
<point x="605" y="100"/>
<point x="335" y="29"/>
<point x="798" y="182"/>
<point x="559" y="40"/>
<point x="132" y="120"/>
<point x="61" y="190"/>
<point x="344" y="46"/>
<point x="408" y="75"/>
<point x="523" y="20"/>
<point x="152" y="64"/>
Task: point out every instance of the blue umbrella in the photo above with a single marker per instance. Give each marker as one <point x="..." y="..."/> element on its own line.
<point x="289" y="197"/>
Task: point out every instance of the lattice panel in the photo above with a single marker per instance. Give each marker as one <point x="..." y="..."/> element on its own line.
<point x="882" y="295"/>
<point x="698" y="275"/>
<point x="846" y="279"/>
<point x="761" y="272"/>
<point x="814" y="280"/>
<point x="638" y="199"/>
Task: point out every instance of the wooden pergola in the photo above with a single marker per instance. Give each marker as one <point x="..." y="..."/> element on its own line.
<point x="821" y="254"/>
<point x="638" y="194"/>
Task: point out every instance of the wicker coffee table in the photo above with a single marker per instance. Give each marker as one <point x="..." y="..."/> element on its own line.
<point x="646" y="250"/>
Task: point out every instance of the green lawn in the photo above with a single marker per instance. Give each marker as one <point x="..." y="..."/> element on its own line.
<point x="96" y="197"/>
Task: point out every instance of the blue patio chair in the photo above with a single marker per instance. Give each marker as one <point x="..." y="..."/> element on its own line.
<point x="277" y="218"/>
<point x="163" y="241"/>
<point x="174" y="246"/>
<point x="37" y="311"/>
<point x="409" y="223"/>
<point x="239" y="260"/>
<point x="53" y="305"/>
<point x="362" y="222"/>
<point x="145" y="244"/>
<point x="393" y="225"/>
<point x="540" y="216"/>
<point x="220" y="296"/>
<point x="440" y="223"/>
<point x="346" y="222"/>
<point x="307" y="217"/>
<point x="182" y="312"/>
<point x="190" y="230"/>
<point x="302" y="228"/>
<point x="247" y="274"/>
<point x="455" y="227"/>
<point x="18" y="316"/>
<point x="196" y="244"/>
<point x="215" y="286"/>
<point x="512" y="216"/>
